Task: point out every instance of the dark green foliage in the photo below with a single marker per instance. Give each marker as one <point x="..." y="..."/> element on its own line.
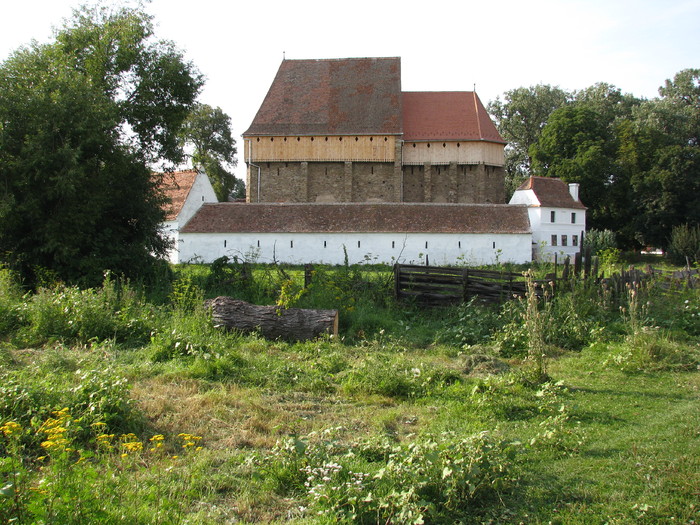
<point x="77" y="196"/>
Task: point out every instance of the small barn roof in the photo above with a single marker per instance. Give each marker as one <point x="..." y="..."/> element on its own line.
<point x="358" y="218"/>
<point x="551" y="192"/>
<point x="177" y="186"/>
<point x="332" y="97"/>
<point x="447" y="115"/>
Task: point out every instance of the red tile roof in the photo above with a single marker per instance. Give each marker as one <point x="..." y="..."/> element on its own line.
<point x="448" y="115"/>
<point x="332" y="97"/>
<point x="177" y="186"/>
<point x="359" y="217"/>
<point x="551" y="192"/>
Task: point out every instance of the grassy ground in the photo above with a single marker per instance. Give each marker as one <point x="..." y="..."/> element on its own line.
<point x="438" y="416"/>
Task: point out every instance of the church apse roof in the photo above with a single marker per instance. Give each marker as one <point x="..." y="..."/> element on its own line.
<point x="447" y="115"/>
<point x="332" y="97"/>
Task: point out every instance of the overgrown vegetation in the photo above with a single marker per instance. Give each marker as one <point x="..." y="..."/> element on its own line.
<point x="121" y="404"/>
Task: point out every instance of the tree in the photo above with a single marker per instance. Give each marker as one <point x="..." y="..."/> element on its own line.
<point x="81" y="119"/>
<point x="208" y="131"/>
<point x="520" y="119"/>
<point x="577" y="146"/>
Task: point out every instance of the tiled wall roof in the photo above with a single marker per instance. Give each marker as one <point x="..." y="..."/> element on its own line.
<point x="359" y="217"/>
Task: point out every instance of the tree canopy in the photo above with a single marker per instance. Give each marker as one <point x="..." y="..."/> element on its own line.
<point x="637" y="160"/>
<point x="208" y="131"/>
<point x="82" y="119"/>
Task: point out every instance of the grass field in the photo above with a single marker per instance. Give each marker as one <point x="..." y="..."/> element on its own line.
<point x="119" y="405"/>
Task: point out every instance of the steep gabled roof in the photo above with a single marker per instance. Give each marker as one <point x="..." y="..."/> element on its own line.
<point x="551" y="192"/>
<point x="448" y="115"/>
<point x="359" y="218"/>
<point x="332" y="97"/>
<point x="177" y="186"/>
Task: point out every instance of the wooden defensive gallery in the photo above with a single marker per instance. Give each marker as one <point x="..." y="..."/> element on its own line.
<point x="341" y="161"/>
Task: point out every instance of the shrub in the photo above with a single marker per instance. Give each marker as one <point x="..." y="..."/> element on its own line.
<point x="71" y="315"/>
<point x="599" y="241"/>
<point x="468" y="324"/>
<point x="376" y="481"/>
<point x="10" y="302"/>
<point x="684" y="246"/>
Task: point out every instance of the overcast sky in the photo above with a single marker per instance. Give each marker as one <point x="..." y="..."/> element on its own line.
<point x="444" y="45"/>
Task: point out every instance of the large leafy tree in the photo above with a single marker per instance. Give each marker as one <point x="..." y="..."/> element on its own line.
<point x="81" y="120"/>
<point x="663" y="153"/>
<point x="520" y="118"/>
<point x="208" y="131"/>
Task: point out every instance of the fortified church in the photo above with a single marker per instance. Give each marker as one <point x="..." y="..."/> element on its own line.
<point x="341" y="163"/>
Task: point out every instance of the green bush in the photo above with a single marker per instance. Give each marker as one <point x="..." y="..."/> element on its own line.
<point x="599" y="240"/>
<point x="71" y="315"/>
<point x="684" y="247"/>
<point x="10" y="302"/>
<point x="433" y="480"/>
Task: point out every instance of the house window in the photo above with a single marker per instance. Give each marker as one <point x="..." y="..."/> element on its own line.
<point x="564" y="240"/>
<point x="552" y="217"/>
<point x="324" y="244"/>
<point x="258" y="244"/>
<point x="494" y="245"/>
<point x="554" y="239"/>
<point x="291" y="244"/>
<point x="393" y="244"/>
<point x="574" y="240"/>
<point x="224" y="243"/>
<point x="573" y="218"/>
<point x="459" y="244"/>
<point x="358" y="244"/>
<point x="426" y="245"/>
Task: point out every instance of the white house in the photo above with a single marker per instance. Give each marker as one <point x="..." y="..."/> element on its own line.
<point x="323" y="233"/>
<point x="188" y="191"/>
<point x="557" y="216"/>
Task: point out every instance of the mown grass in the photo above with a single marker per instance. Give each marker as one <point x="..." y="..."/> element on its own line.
<point x="443" y="416"/>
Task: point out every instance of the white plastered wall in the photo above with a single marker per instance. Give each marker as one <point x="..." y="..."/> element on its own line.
<point x="330" y="248"/>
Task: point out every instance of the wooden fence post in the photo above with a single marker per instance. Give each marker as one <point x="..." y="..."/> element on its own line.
<point x="308" y="274"/>
<point x="397" y="274"/>
<point x="465" y="285"/>
<point x="577" y="263"/>
<point x="586" y="262"/>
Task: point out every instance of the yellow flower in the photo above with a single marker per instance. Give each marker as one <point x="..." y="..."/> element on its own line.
<point x="133" y="446"/>
<point x="11" y="427"/>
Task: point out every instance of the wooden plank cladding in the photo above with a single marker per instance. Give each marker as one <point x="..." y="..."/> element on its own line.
<point x="464" y="152"/>
<point x="368" y="148"/>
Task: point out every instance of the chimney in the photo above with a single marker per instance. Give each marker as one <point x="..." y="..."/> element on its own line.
<point x="573" y="190"/>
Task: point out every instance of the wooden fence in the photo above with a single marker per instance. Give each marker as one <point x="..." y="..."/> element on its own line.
<point x="436" y="285"/>
<point x="433" y="285"/>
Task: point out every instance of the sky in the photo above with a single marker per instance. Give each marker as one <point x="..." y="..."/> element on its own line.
<point x="444" y="45"/>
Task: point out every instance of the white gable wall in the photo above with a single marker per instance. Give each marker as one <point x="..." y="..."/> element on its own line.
<point x="200" y="193"/>
<point x="330" y="248"/>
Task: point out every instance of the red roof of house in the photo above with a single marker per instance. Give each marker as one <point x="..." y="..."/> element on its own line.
<point x="358" y="217"/>
<point x="176" y="186"/>
<point x="551" y="192"/>
<point x="332" y="97"/>
<point x="448" y="115"/>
